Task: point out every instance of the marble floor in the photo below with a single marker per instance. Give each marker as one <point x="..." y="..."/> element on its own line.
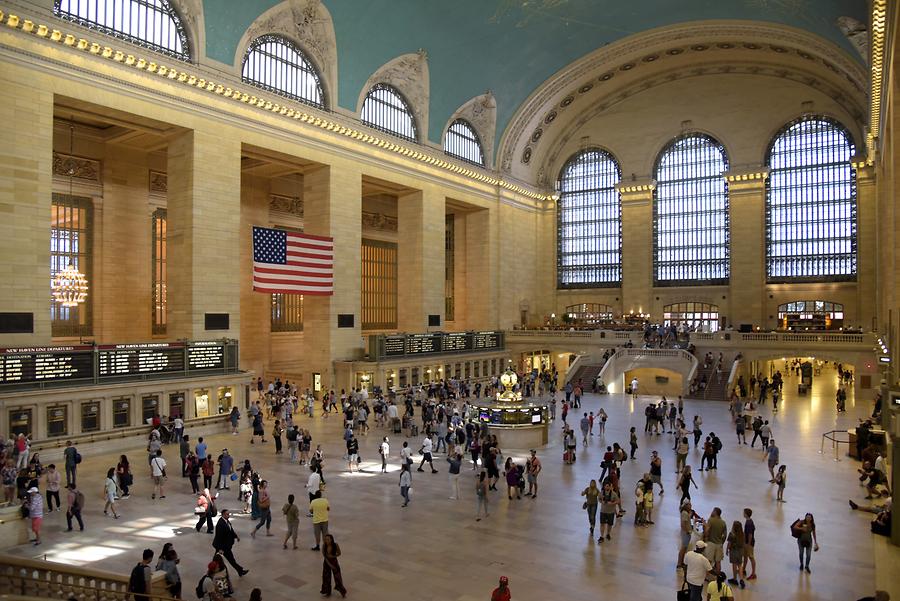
<point x="435" y="550"/>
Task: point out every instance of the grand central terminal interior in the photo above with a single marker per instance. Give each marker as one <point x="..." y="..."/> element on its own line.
<point x="574" y="256"/>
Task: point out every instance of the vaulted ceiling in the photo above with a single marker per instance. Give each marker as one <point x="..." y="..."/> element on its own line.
<point x="507" y="46"/>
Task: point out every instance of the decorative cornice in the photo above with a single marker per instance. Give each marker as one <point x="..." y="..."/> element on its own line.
<point x="159" y="182"/>
<point x="66" y="165"/>
<point x="879" y="49"/>
<point x="291" y="205"/>
<point x="379" y="221"/>
<point x="746" y="176"/>
<point x="636" y="192"/>
<point x="176" y="74"/>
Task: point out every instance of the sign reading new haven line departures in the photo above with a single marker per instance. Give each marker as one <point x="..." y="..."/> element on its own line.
<point x="435" y="343"/>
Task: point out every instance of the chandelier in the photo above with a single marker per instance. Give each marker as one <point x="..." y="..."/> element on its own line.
<point x="69" y="287"/>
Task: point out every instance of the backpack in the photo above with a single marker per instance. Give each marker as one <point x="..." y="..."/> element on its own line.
<point x="199" y="590"/>
<point x="79" y="500"/>
<point x="136" y="582"/>
<point x="77" y="457"/>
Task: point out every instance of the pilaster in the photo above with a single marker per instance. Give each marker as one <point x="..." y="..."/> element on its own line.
<point x="421" y="223"/>
<point x="866" y="248"/>
<point x="482" y="268"/>
<point x="747" y="224"/>
<point x="637" y="244"/>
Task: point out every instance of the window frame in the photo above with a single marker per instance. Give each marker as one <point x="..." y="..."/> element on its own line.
<point x="695" y="215"/>
<point x="853" y="202"/>
<point x="379" y="284"/>
<point x="166" y="8"/>
<point x="72" y="321"/>
<point x="473" y="138"/>
<point x="683" y="309"/>
<point x="405" y="108"/>
<point x="159" y="276"/>
<point x="560" y="209"/>
<point x="306" y="66"/>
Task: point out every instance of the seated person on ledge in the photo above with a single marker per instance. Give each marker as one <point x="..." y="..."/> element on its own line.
<point x="872" y="479"/>
<point x="881" y="523"/>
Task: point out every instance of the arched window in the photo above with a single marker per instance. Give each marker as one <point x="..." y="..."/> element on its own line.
<point x="463" y="143"/>
<point x="278" y="65"/>
<point x="700" y="317"/>
<point x="811" y="315"/>
<point x="153" y="24"/>
<point x="385" y="109"/>
<point x="589" y="222"/>
<point x="811" y="203"/>
<point x="690" y="213"/>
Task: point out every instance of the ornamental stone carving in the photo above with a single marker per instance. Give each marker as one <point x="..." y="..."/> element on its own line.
<point x="66" y="165"/>
<point x="291" y="205"/>
<point x="379" y="221"/>
<point x="159" y="182"/>
<point x="481" y="113"/>
<point x="409" y="74"/>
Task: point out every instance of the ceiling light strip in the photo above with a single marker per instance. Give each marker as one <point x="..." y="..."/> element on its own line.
<point x="180" y="76"/>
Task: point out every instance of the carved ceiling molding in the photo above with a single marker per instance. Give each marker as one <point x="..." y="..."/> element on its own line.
<point x="308" y="24"/>
<point x="67" y="165"/>
<point x="191" y="13"/>
<point x="481" y="113"/>
<point x="289" y="205"/>
<point x="159" y="182"/>
<point x="600" y="104"/>
<point x="407" y="73"/>
<point x="379" y="221"/>
<point x="636" y="52"/>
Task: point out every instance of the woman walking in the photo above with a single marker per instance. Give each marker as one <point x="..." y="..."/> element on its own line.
<point x="735" y="543"/>
<point x="632" y="440"/>
<point x="481" y="495"/>
<point x="277" y="431"/>
<point x="405" y="483"/>
<point x="205" y="511"/>
<point x="592" y="498"/>
<point x="124" y="475"/>
<point x="208" y="468"/>
<point x="330" y="566"/>
<point x="781" y="482"/>
<point x="806" y="541"/>
<point x="264" y="505"/>
<point x="512" y="479"/>
<point x="168" y="563"/>
<point x="681" y="451"/>
<point x="684" y="484"/>
<point x="109" y="491"/>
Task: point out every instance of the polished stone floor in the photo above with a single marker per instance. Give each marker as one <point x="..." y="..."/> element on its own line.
<point x="435" y="550"/>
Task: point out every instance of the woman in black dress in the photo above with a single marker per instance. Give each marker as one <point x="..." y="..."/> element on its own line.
<point x="330" y="566"/>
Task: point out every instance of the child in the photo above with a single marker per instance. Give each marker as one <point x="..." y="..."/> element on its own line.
<point x="781" y="481"/>
<point x="639" y="504"/>
<point x="648" y="499"/>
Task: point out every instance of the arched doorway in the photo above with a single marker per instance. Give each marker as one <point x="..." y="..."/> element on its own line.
<point x="699" y="317"/>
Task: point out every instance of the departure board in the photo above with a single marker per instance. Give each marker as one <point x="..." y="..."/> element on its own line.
<point x="141" y="358"/>
<point x="456" y="342"/>
<point x="423" y="344"/>
<point x="46" y="364"/>
<point x="487" y="341"/>
<point x="206" y="355"/>
<point x="435" y="343"/>
<point x="394" y="346"/>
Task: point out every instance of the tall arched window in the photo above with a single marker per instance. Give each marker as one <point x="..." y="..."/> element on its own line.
<point x="690" y="213"/>
<point x="589" y="221"/>
<point x="153" y="24"/>
<point x="276" y="64"/>
<point x="385" y="109"/>
<point x="811" y="203"/>
<point x="463" y="143"/>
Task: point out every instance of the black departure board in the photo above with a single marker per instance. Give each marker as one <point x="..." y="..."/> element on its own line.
<point x="206" y="355"/>
<point x="46" y="364"/>
<point x="141" y="358"/>
<point x="435" y="343"/>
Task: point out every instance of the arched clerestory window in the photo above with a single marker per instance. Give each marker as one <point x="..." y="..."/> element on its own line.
<point x="589" y="222"/>
<point x="385" y="109"/>
<point x="461" y="141"/>
<point x="276" y="64"/>
<point x="153" y="24"/>
<point x="690" y="213"/>
<point x="811" y="203"/>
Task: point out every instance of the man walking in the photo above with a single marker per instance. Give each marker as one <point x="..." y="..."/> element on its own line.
<point x="772" y="458"/>
<point x="184" y="449"/>
<point x="224" y="540"/>
<point x="533" y="468"/>
<point x="455" y="462"/>
<point x="585" y="426"/>
<point x="697" y="566"/>
<point x="427" y="445"/>
<point x="319" y="509"/>
<point x="72" y="458"/>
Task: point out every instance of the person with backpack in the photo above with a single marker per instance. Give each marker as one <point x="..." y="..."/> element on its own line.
<point x="781" y="482"/>
<point x="757" y="430"/>
<point x="206" y="589"/>
<point x="72" y="459"/>
<point x="74" y="504"/>
<point x="716" y="447"/>
<point x="141" y="575"/>
<point x="205" y="511"/>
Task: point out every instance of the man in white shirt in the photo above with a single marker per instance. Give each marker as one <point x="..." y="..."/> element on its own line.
<point x="427" y="445"/>
<point x="696" y="568"/>
<point x="158" y="470"/>
<point x="634" y="387"/>
<point x="393" y="416"/>
<point x="313" y="483"/>
<point x="179" y="428"/>
<point x="406" y="454"/>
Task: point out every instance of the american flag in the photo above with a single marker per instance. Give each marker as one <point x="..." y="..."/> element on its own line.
<point x="292" y="263"/>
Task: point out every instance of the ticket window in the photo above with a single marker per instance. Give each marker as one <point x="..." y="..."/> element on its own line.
<point x="415" y="376"/>
<point x="90" y="416"/>
<point x="121" y="413"/>
<point x="176" y="405"/>
<point x="225" y="399"/>
<point x="201" y="402"/>
<point x="364" y="379"/>
<point x="476" y="365"/>
<point x="404" y="382"/>
<point x="57" y="421"/>
<point x="457" y="371"/>
<point x="493" y="366"/>
<point x="390" y="379"/>
<point x="484" y="369"/>
<point x="149" y="407"/>
<point x="20" y="422"/>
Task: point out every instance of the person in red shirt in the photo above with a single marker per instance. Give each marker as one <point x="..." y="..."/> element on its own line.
<point x="501" y="593"/>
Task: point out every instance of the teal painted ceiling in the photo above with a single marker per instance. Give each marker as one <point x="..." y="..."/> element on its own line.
<point x="507" y="46"/>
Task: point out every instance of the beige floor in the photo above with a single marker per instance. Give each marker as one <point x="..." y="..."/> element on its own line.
<point x="434" y="549"/>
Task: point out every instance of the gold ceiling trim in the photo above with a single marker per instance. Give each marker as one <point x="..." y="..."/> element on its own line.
<point x="879" y="28"/>
<point x="181" y="76"/>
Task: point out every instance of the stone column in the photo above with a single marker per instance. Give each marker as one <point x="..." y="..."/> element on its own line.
<point x="26" y="161"/>
<point x="482" y="264"/>
<point x="204" y="209"/>
<point x="747" y="227"/>
<point x="332" y="206"/>
<point x="421" y="223"/>
<point x="637" y="245"/>
<point x="866" y="249"/>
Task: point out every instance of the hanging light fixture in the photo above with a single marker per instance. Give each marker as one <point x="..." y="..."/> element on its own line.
<point x="69" y="287"/>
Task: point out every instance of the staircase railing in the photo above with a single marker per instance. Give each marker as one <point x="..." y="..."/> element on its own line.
<point x="51" y="580"/>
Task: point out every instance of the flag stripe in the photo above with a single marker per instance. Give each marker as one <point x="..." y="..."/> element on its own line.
<point x="292" y="263"/>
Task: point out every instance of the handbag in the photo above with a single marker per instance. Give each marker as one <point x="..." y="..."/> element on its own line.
<point x="796" y="531"/>
<point x="684" y="594"/>
<point x="584" y="505"/>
